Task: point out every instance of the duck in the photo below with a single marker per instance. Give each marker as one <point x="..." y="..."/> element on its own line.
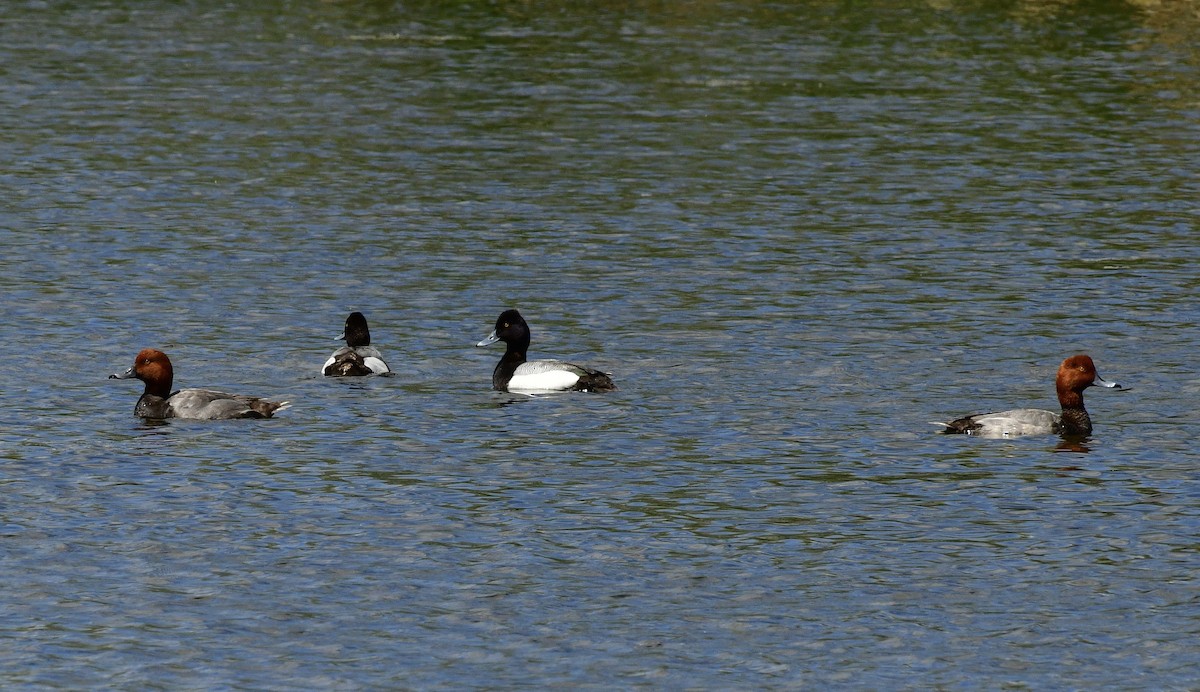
<point x="358" y="357"/>
<point x="1076" y="374"/>
<point x="153" y="367"/>
<point x="516" y="374"/>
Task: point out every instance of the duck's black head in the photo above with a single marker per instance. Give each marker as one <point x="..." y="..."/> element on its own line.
<point x="511" y="329"/>
<point x="356" y="333"/>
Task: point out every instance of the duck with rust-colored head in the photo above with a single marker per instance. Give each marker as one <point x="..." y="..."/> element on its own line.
<point x="1076" y="374"/>
<point x="153" y="367"/>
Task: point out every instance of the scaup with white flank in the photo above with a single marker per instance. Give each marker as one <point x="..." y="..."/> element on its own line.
<point x="358" y="357"/>
<point x="514" y="373"/>
<point x="1076" y="374"/>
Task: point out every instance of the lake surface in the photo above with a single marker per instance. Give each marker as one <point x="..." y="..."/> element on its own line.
<point x="796" y="233"/>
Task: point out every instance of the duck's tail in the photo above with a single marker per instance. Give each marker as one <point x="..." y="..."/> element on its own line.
<point x="962" y="426"/>
<point x="596" y="381"/>
<point x="269" y="408"/>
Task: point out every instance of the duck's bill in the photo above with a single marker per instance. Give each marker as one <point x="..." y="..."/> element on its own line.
<point x="1099" y="381"/>
<point x="122" y="375"/>
<point x="491" y="339"/>
<point x="340" y="337"/>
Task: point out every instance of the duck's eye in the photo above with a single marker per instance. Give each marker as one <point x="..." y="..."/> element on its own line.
<point x="505" y="325"/>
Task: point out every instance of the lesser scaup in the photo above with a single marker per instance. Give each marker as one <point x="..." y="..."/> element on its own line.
<point x="358" y="356"/>
<point x="514" y="373"/>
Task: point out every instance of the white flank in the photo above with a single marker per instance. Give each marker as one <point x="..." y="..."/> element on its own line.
<point x="377" y="366"/>
<point x="548" y="381"/>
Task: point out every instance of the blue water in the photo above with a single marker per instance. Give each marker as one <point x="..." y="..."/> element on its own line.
<point x="796" y="234"/>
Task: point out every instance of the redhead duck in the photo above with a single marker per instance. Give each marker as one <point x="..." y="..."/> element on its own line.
<point x="154" y="368"/>
<point x="358" y="356"/>
<point x="1076" y="374"/>
<point x="514" y="373"/>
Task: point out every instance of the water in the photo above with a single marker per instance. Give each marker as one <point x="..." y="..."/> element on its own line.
<point x="795" y="233"/>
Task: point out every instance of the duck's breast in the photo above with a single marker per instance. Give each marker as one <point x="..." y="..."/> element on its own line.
<point x="150" y="406"/>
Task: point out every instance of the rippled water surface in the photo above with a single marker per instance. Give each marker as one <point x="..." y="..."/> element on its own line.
<point x="795" y="233"/>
